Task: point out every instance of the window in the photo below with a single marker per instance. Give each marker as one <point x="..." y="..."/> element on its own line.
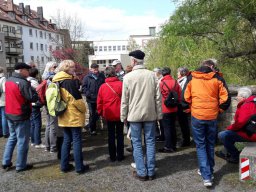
<point x="95" y="48"/>
<point x="41" y="47"/>
<point x="37" y="46"/>
<point x="36" y="33"/>
<point x="32" y="58"/>
<point x="50" y="35"/>
<point x="31" y="46"/>
<point x="119" y="48"/>
<point x="45" y="48"/>
<point x="50" y="48"/>
<point x="100" y="48"/>
<point x="42" y="59"/>
<point x="109" y="48"/>
<point x="45" y="35"/>
<point x="41" y="34"/>
<point x="30" y="32"/>
<point x="19" y="29"/>
<point x="57" y="37"/>
<point x="1" y="46"/>
<point x="105" y="48"/>
<point x="57" y="47"/>
<point x="114" y="48"/>
<point x="127" y="47"/>
<point x="123" y="47"/>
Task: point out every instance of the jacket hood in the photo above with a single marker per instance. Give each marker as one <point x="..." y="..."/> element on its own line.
<point x="61" y="76"/>
<point x="203" y="73"/>
<point x="111" y="79"/>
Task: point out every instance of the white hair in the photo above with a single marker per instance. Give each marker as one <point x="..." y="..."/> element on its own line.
<point x="48" y="65"/>
<point x="138" y="61"/>
<point x="244" y="92"/>
<point x="17" y="71"/>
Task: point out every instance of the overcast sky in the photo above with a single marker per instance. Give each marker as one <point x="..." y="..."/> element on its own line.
<point x="110" y="19"/>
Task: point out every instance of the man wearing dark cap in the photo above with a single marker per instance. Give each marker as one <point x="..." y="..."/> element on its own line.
<point x="19" y="96"/>
<point x="90" y="88"/>
<point x="141" y="107"/>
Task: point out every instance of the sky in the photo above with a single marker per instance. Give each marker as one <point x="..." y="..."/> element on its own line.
<point x="109" y="19"/>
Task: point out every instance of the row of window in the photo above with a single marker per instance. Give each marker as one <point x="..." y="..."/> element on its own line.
<point x="43" y="35"/>
<point x="42" y="47"/>
<point x="111" y="48"/>
<point x="32" y="58"/>
<point x="104" y="61"/>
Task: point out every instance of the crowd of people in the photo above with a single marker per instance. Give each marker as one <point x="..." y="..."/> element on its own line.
<point x="135" y="98"/>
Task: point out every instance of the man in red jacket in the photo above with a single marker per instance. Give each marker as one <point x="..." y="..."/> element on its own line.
<point x="235" y="132"/>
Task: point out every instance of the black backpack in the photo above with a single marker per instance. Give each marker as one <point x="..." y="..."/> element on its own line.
<point x="172" y="100"/>
<point x="250" y="127"/>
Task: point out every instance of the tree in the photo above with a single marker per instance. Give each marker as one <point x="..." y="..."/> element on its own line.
<point x="132" y="44"/>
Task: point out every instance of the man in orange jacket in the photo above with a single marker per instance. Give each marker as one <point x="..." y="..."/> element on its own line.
<point x="207" y="95"/>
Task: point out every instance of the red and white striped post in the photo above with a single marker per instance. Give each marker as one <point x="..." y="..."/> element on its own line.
<point x="245" y="169"/>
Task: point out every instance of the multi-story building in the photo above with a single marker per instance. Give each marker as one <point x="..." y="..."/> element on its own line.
<point x="28" y="35"/>
<point x="106" y="51"/>
<point x="2" y="51"/>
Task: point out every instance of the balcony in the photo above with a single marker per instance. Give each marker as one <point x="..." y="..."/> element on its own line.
<point x="13" y="50"/>
<point x="14" y="34"/>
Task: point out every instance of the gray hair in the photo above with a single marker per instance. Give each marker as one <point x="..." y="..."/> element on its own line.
<point x="244" y="92"/>
<point x="138" y="61"/>
<point x="110" y="71"/>
<point x="209" y="62"/>
<point x="157" y="70"/>
<point x="183" y="71"/>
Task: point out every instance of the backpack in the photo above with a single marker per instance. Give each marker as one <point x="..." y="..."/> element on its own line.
<point x="55" y="105"/>
<point x="250" y="127"/>
<point x="41" y="91"/>
<point x="172" y="100"/>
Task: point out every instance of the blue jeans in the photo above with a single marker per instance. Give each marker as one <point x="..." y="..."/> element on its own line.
<point x="19" y="134"/>
<point x="115" y="132"/>
<point x="204" y="133"/>
<point x="72" y="134"/>
<point x="3" y="124"/>
<point x="228" y="138"/>
<point x="36" y="125"/>
<point x="149" y="135"/>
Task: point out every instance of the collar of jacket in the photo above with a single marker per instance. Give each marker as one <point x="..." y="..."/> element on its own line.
<point x="181" y="79"/>
<point x="138" y="67"/>
<point x="204" y="69"/>
<point x="18" y="75"/>
<point x="167" y="77"/>
<point x="111" y="79"/>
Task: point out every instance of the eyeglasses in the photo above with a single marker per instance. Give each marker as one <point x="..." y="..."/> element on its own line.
<point x="54" y="66"/>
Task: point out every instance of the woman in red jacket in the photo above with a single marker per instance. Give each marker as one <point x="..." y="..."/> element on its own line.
<point x="108" y="106"/>
<point x="236" y="132"/>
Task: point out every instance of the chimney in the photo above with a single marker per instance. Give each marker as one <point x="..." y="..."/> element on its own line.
<point x="40" y="13"/>
<point x="10" y="5"/>
<point x="152" y="31"/>
<point x="21" y="7"/>
<point x="27" y="10"/>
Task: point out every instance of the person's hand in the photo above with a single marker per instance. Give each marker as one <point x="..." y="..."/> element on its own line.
<point x="125" y="121"/>
<point x="221" y="110"/>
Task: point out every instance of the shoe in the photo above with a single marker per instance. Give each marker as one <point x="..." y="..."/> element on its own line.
<point x="40" y="146"/>
<point x="232" y="160"/>
<point x="129" y="149"/>
<point x="222" y="155"/>
<point x="199" y="173"/>
<point x="165" y="150"/>
<point x="32" y="144"/>
<point x="70" y="167"/>
<point x="133" y="165"/>
<point x="28" y="167"/>
<point x="53" y="151"/>
<point x="141" y="178"/>
<point x="7" y="167"/>
<point x="207" y="183"/>
<point x="227" y="157"/>
<point x="120" y="158"/>
<point x="159" y="140"/>
<point x="150" y="178"/>
<point x="6" y="136"/>
<point x="47" y="149"/>
<point x="93" y="133"/>
<point x="85" y="168"/>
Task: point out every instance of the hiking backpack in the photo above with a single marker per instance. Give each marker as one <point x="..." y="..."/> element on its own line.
<point x="55" y="105"/>
<point x="41" y="91"/>
<point x="172" y="99"/>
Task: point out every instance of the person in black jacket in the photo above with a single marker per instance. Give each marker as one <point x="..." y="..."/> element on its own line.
<point x="19" y="96"/>
<point x="90" y="88"/>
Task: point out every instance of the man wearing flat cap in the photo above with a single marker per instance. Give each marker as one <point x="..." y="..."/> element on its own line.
<point x="141" y="107"/>
<point x="118" y="69"/>
<point x="19" y="96"/>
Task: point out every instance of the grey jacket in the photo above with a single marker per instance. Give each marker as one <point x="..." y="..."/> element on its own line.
<point x="141" y="98"/>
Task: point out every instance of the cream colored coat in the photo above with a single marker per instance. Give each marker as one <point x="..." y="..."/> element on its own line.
<point x="141" y="98"/>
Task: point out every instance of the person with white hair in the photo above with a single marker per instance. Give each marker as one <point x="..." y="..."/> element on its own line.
<point x="120" y="73"/>
<point x="236" y="132"/>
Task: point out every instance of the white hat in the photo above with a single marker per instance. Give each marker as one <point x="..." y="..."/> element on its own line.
<point x="115" y="62"/>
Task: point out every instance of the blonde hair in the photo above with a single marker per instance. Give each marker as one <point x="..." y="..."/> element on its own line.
<point x="65" y="65"/>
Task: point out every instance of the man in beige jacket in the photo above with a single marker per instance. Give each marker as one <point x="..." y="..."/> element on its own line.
<point x="141" y="106"/>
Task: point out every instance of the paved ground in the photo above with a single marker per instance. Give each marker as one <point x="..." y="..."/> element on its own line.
<point x="175" y="172"/>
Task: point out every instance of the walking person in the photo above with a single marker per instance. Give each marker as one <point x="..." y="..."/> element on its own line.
<point x="19" y="96"/>
<point x="4" y="129"/>
<point x="108" y="106"/>
<point x="207" y="94"/>
<point x="141" y="107"/>
<point x="73" y="119"/>
<point x="90" y="88"/>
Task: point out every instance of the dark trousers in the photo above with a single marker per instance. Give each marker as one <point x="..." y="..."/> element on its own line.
<point x="184" y="125"/>
<point x="36" y="125"/>
<point x="93" y="116"/>
<point x="115" y="130"/>
<point x="169" y="130"/>
<point x="160" y="129"/>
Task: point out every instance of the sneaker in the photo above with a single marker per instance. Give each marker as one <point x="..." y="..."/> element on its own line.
<point x="129" y="149"/>
<point x="133" y="165"/>
<point x="227" y="157"/>
<point x="70" y="167"/>
<point x="207" y="183"/>
<point x="7" y="167"/>
<point x="41" y="146"/>
<point x="53" y="151"/>
<point x="6" y="136"/>
<point x="28" y="167"/>
<point x="32" y="144"/>
<point x="47" y="149"/>
<point x="150" y="178"/>
<point x="199" y="173"/>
